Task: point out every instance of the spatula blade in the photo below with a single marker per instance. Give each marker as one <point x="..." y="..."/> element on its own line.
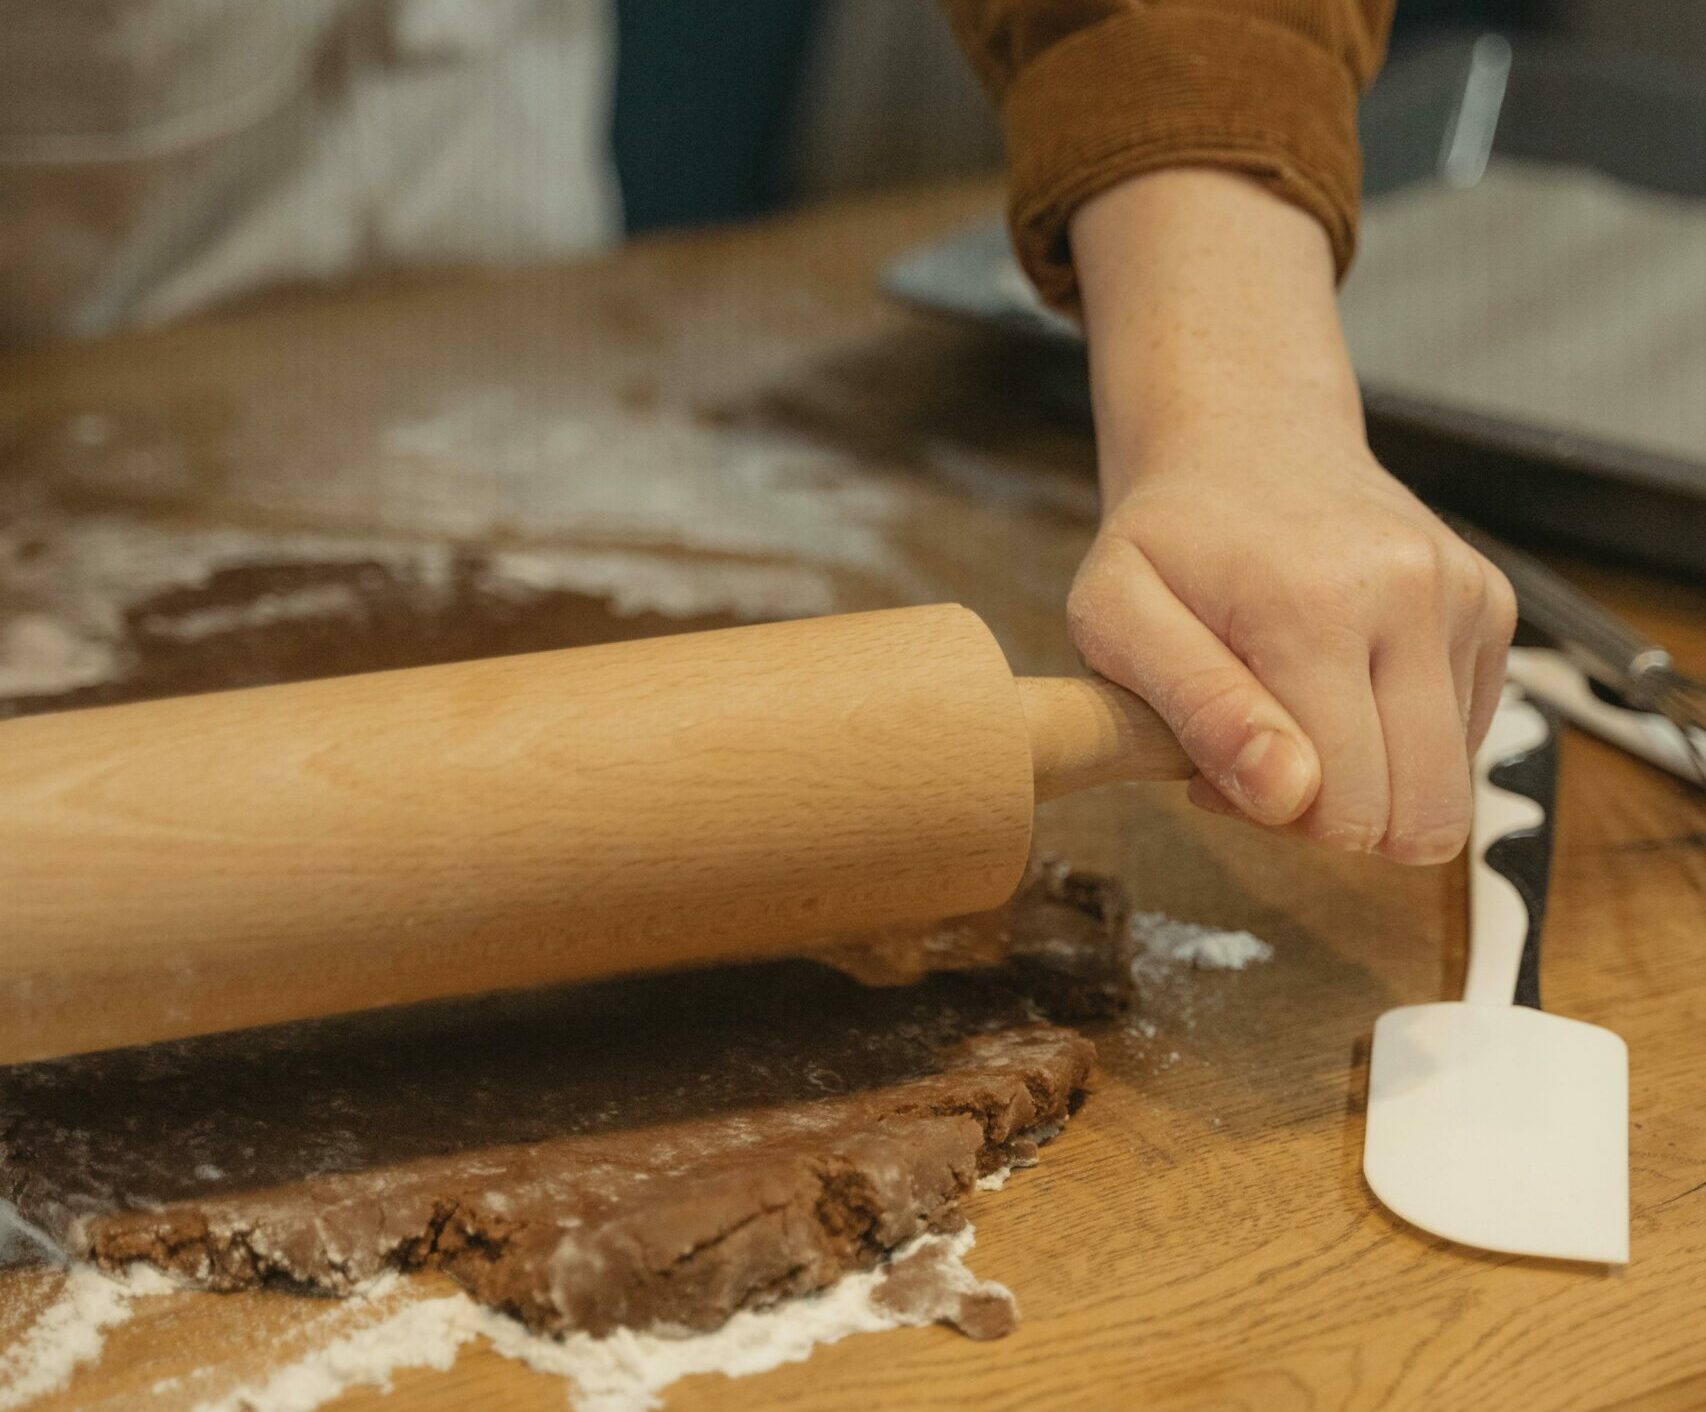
<point x="1502" y="1127"/>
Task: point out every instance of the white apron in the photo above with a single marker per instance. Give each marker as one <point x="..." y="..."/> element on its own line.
<point x="159" y="156"/>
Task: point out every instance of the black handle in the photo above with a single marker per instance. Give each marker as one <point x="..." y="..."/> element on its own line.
<point x="1525" y="856"/>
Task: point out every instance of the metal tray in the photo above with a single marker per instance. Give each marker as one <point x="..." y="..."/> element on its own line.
<point x="1437" y="115"/>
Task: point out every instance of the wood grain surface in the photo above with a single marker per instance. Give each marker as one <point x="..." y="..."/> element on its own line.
<point x="1200" y="1236"/>
<point x="662" y="802"/>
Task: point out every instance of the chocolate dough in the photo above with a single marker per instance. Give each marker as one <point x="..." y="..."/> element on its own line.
<point x="656" y="1151"/>
<point x="927" y="1286"/>
<point x="1062" y="940"/>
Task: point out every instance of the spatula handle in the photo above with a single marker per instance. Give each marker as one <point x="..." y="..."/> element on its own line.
<point x="1509" y="854"/>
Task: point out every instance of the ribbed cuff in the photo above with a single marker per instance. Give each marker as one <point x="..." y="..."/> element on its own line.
<point x="1159" y="87"/>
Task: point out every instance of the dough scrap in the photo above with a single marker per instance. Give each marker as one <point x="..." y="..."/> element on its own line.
<point x="931" y="1285"/>
<point x="646" y="1153"/>
<point x="1063" y="940"/>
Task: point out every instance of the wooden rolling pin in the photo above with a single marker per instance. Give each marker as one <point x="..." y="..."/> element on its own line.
<point x="212" y="862"/>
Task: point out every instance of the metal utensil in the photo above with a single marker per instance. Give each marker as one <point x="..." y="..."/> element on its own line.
<point x="1553" y="677"/>
<point x="1492" y="1123"/>
<point x="1603" y="645"/>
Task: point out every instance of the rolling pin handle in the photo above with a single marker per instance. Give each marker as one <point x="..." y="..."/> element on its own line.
<point x="1087" y="731"/>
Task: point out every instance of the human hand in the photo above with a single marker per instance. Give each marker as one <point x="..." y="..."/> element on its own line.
<point x="1328" y="653"/>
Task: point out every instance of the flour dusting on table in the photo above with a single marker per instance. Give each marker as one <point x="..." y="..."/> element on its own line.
<point x="1168" y="955"/>
<point x="627" y="1371"/>
<point x="1169" y="942"/>
<point x="39" y="654"/>
<point x="71" y="1330"/>
<point x="656" y="513"/>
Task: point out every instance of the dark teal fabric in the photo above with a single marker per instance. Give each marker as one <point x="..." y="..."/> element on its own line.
<point x="705" y="94"/>
<point x="704" y="97"/>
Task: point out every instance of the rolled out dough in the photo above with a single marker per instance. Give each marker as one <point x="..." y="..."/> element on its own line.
<point x="643" y="1153"/>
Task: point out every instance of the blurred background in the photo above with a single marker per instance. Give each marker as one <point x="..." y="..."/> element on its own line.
<point x="1526" y="313"/>
<point x="160" y="155"/>
<point x="1531" y="283"/>
<point x="725" y="111"/>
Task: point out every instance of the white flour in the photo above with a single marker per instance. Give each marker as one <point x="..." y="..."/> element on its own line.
<point x="83" y="586"/>
<point x="996" y="1180"/>
<point x="71" y="1330"/>
<point x="655" y="515"/>
<point x="39" y="655"/>
<point x="1169" y="942"/>
<point x="1170" y="954"/>
<point x="319" y="600"/>
<point x="625" y="1372"/>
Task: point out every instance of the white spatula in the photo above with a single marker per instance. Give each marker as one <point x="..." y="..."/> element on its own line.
<point x="1490" y="1122"/>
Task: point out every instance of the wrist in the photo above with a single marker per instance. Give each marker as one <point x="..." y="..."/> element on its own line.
<point x="1214" y="399"/>
<point x="1208" y="303"/>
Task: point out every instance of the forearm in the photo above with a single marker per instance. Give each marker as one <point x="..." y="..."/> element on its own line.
<point x="1206" y="298"/>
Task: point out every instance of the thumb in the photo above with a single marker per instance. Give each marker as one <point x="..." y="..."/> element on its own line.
<point x="1133" y="629"/>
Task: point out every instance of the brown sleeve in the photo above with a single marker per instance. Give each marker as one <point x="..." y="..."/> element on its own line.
<point x="1091" y="92"/>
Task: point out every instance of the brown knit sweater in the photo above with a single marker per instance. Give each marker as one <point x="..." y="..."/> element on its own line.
<point x="1094" y="91"/>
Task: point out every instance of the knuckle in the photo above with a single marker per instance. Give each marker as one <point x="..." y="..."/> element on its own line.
<point x="1414" y="566"/>
<point x="1348" y="830"/>
<point x="1501" y="603"/>
<point x="1467" y="587"/>
<point x="1434" y="843"/>
<point x="1086" y="621"/>
<point x="1207" y="707"/>
<point x="1078" y="612"/>
<point x="1355" y="814"/>
<point x="1085" y="591"/>
<point x="1431" y="827"/>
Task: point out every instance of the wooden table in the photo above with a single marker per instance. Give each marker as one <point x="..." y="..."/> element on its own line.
<point x="458" y="465"/>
